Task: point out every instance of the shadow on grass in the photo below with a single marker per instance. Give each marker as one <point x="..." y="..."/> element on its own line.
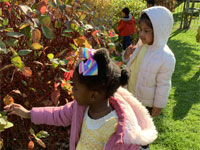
<point x="187" y="88"/>
<point x="186" y="96"/>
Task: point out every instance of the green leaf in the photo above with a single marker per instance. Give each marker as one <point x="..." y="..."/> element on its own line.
<point x="63" y="69"/>
<point x="67" y="30"/>
<point x="24" y="82"/>
<point x="67" y="35"/>
<point x="111" y="45"/>
<point x="48" y="33"/>
<point x="50" y="56"/>
<point x="11" y="42"/>
<point x="17" y="62"/>
<point x="42" y="134"/>
<point x="55" y="63"/>
<point x="9" y="125"/>
<point x="26" y="31"/>
<point x="3" y="48"/>
<point x="74" y="27"/>
<point x="32" y="132"/>
<point x="61" y="62"/>
<point x="14" y="34"/>
<point x="8" y="29"/>
<point x="5" y="21"/>
<point x="45" y="20"/>
<point x="73" y="46"/>
<point x="24" y="52"/>
<point x="58" y="24"/>
<point x="2" y="121"/>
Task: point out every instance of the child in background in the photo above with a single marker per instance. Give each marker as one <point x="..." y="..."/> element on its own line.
<point x="152" y="62"/>
<point x="98" y="119"/>
<point x="126" y="27"/>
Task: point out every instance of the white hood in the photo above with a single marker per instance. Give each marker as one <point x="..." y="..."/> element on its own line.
<point x="162" y="21"/>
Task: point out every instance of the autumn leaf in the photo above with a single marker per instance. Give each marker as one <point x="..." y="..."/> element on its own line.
<point x="57" y="13"/>
<point x="43" y="6"/>
<point x="36" y="46"/>
<point x="7" y="100"/>
<point x="120" y="63"/>
<point x="30" y="145"/>
<point x="87" y="44"/>
<point x="68" y="75"/>
<point x="79" y="41"/>
<point x="95" y="32"/>
<point x="27" y="72"/>
<point x="55" y="96"/>
<point x="24" y="26"/>
<point x="36" y="35"/>
<point x="111" y="33"/>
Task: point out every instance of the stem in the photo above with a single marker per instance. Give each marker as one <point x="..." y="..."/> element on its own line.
<point x="7" y="66"/>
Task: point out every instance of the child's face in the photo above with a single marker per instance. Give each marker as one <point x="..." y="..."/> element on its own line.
<point x="123" y="14"/>
<point x="81" y="93"/>
<point x="146" y="33"/>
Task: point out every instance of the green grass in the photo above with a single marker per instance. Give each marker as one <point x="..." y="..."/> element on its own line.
<point x="179" y="124"/>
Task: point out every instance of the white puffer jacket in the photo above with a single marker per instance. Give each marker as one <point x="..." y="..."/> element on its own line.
<point x="154" y="78"/>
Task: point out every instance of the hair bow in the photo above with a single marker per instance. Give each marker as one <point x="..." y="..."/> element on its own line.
<point x="88" y="68"/>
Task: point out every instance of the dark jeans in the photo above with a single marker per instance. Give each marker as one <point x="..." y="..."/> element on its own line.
<point x="126" y="42"/>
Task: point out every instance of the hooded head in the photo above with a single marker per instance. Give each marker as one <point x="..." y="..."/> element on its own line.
<point x="162" y="22"/>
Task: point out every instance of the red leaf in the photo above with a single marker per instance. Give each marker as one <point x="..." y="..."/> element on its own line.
<point x="43" y="6"/>
<point x="95" y="32"/>
<point x="43" y="9"/>
<point x="111" y="33"/>
<point x="7" y="3"/>
<point x="120" y="63"/>
<point x="68" y="75"/>
<point x="55" y="96"/>
<point x="30" y="145"/>
<point x="56" y="85"/>
<point x="27" y="72"/>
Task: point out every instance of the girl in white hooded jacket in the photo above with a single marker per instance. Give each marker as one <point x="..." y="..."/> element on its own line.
<point x="151" y="61"/>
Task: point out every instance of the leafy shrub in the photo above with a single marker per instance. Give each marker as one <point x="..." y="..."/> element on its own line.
<point x="39" y="42"/>
<point x="109" y="13"/>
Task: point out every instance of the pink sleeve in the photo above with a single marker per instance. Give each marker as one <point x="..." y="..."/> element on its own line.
<point x="57" y="116"/>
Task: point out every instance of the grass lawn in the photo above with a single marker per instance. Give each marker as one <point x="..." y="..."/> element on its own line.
<point x="179" y="124"/>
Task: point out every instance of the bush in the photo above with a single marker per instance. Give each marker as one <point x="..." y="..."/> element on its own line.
<point x="109" y="13"/>
<point x="39" y="44"/>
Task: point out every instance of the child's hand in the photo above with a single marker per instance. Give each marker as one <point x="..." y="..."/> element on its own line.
<point x="129" y="51"/>
<point x="156" y="111"/>
<point x="18" y="110"/>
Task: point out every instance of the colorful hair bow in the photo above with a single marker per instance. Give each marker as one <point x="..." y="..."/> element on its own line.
<point x="88" y="68"/>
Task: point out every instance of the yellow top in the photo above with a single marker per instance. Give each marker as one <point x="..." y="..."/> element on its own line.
<point x="135" y="68"/>
<point x="96" y="132"/>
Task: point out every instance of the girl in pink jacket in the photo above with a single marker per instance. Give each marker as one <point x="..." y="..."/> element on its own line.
<point x="103" y="114"/>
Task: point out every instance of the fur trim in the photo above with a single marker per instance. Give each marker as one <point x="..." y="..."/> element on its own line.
<point x="139" y="127"/>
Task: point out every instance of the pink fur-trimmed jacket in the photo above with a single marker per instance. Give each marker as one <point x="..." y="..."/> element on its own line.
<point x="135" y="125"/>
